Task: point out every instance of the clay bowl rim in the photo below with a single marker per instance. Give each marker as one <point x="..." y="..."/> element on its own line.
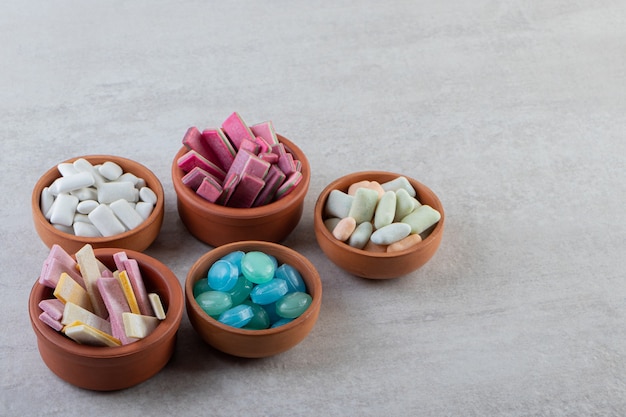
<point x="128" y="165"/>
<point x="320" y="203"/>
<point x="56" y="340"/>
<point x="220" y="251"/>
<point x="235" y="213"/>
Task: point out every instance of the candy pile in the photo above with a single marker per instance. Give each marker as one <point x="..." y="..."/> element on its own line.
<point x="97" y="306"/>
<point x="238" y="165"/>
<point x="379" y="217"/>
<point x="251" y="291"/>
<point x="95" y="201"/>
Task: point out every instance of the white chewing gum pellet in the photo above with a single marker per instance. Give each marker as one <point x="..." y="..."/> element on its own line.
<point x="126" y="213"/>
<point x="87" y="206"/>
<point x="344" y="228"/>
<point x="146" y="194"/>
<point x="69" y="291"/>
<point x="74" y="182"/>
<point x="63" y="228"/>
<point x="407" y="242"/>
<point x="82" y="218"/>
<point x="63" y="210"/>
<point x="46" y="201"/>
<point x="66" y="169"/>
<point x="73" y="312"/>
<point x="128" y="177"/>
<point x="338" y="204"/>
<point x="390" y="234"/>
<point x="110" y="170"/>
<point x="91" y="273"/>
<point x="113" y="191"/>
<point x="405" y="204"/>
<point x="355" y="186"/>
<point x="400" y="182"/>
<point x="139" y="326"/>
<point x="85" y="229"/>
<point x="87" y="335"/>
<point x="83" y="165"/>
<point x="84" y="194"/>
<point x="127" y="289"/>
<point x="157" y="306"/>
<point x="144" y="209"/>
<point x="422" y="218"/>
<point x="364" y="205"/>
<point x="105" y="220"/>
<point x="385" y="210"/>
<point x="361" y="235"/>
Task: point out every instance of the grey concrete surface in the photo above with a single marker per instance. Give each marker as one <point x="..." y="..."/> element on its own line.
<point x="512" y="111"/>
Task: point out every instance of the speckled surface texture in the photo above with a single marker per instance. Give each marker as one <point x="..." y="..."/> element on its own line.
<point x="511" y="111"/>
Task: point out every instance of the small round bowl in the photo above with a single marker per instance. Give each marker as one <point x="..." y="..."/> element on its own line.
<point x="138" y="239"/>
<point x="254" y="343"/>
<point x="217" y="225"/>
<point x="113" y="368"/>
<point x="376" y="265"/>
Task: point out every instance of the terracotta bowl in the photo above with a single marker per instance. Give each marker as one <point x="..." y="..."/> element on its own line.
<point x="113" y="368"/>
<point x="254" y="343"/>
<point x="376" y="265"/>
<point x="139" y="239"/>
<point x="217" y="225"/>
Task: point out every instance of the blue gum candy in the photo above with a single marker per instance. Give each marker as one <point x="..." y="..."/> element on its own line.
<point x="241" y="290"/>
<point x="294" y="280"/>
<point x="293" y="304"/>
<point x="234" y="258"/>
<point x="260" y="320"/>
<point x="202" y="285"/>
<point x="237" y="316"/>
<point x="269" y="292"/>
<point x="214" y="303"/>
<point x="223" y="275"/>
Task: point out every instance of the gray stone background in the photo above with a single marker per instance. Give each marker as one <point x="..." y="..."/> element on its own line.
<point x="512" y="111"/>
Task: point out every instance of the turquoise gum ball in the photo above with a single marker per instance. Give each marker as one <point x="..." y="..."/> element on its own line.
<point x="258" y="267"/>
<point x="223" y="275"/>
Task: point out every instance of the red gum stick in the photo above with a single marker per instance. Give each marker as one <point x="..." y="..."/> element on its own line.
<point x="209" y="189"/>
<point x="274" y="180"/>
<point x="193" y="159"/>
<point x="236" y="129"/>
<point x="266" y="131"/>
<point x="221" y="147"/>
<point x="194" y="178"/>
<point x="193" y="140"/>
<point x="246" y="191"/>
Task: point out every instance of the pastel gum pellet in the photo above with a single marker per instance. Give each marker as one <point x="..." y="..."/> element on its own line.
<point x="399" y="182"/>
<point x="104" y="219"/>
<point x="338" y="204"/>
<point x="390" y="233"/>
<point x="53" y="307"/>
<point x="63" y="210"/>
<point x="116" y="304"/>
<point x="364" y="205"/>
<point x="126" y="213"/>
<point x="157" y="305"/>
<point x="90" y="272"/>
<point x="422" y="218"/>
<point x="131" y="266"/>
<point x="110" y="170"/>
<point x="405" y="243"/>
<point x="361" y="235"/>
<point x="88" y="335"/>
<point x="69" y="291"/>
<point x="236" y="129"/>
<point x="355" y="186"/>
<point x="331" y="223"/>
<point x="385" y="210"/>
<point x="344" y="228"/>
<point x="373" y="247"/>
<point x="405" y="204"/>
<point x="139" y="326"/>
<point x="73" y="312"/>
